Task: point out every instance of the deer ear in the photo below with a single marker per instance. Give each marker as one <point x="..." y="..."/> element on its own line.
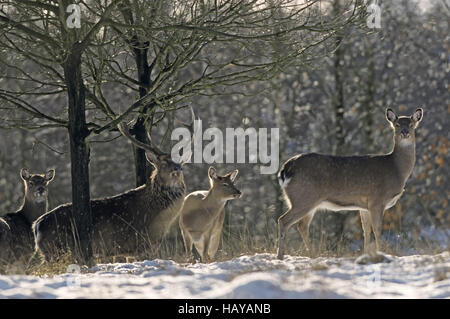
<point x="417" y="115"/>
<point x="50" y="175"/>
<point x="233" y="175"/>
<point x="390" y="115"/>
<point x="212" y="172"/>
<point x="25" y="174"/>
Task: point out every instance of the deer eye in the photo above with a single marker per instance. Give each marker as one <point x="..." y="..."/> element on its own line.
<point x="397" y="124"/>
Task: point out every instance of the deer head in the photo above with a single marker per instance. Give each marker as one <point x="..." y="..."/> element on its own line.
<point x="404" y="126"/>
<point x="36" y="185"/>
<point x="223" y="186"/>
<point x="169" y="172"/>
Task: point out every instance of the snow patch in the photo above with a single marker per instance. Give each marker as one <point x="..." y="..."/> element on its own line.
<point x="257" y="276"/>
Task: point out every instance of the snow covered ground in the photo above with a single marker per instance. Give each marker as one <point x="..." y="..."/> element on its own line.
<point x="257" y="276"/>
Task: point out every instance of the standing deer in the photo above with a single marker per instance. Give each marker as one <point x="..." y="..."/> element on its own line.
<point x="370" y="184"/>
<point x="128" y="224"/>
<point x="203" y="213"/>
<point x="16" y="236"/>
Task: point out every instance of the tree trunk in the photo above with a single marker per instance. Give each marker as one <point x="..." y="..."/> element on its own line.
<point x="79" y="156"/>
<point x="142" y="169"/>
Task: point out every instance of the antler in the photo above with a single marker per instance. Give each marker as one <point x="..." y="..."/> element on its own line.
<point x="153" y="144"/>
<point x="123" y="128"/>
<point x="190" y="126"/>
<point x="152" y="147"/>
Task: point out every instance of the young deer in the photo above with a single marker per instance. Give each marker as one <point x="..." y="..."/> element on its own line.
<point x="17" y="241"/>
<point x="203" y="213"/>
<point x="370" y="184"/>
<point x="129" y="224"/>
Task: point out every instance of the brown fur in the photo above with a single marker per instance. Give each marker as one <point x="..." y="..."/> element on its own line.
<point x="130" y="224"/>
<point x="16" y="237"/>
<point x="202" y="216"/>
<point x="368" y="183"/>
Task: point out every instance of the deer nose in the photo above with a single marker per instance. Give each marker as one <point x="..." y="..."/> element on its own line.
<point x="177" y="171"/>
<point x="405" y="133"/>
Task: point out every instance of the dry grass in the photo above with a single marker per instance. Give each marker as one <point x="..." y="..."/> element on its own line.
<point x="241" y="240"/>
<point x="55" y="267"/>
<point x="238" y="240"/>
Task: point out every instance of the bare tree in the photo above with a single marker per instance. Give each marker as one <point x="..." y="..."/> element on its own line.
<point x="39" y="33"/>
<point x="176" y="47"/>
<point x="166" y="40"/>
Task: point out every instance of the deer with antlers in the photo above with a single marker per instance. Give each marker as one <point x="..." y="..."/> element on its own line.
<point x="129" y="224"/>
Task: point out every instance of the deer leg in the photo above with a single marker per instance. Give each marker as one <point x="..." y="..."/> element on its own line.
<point x="303" y="228"/>
<point x="376" y="217"/>
<point x="187" y="240"/>
<point x="367" y="228"/>
<point x="202" y="248"/>
<point x="292" y="216"/>
<point x="216" y="233"/>
<point x="205" y="257"/>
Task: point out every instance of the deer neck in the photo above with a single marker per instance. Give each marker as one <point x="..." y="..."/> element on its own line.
<point x="215" y="199"/>
<point x="158" y="185"/>
<point x="32" y="210"/>
<point x="404" y="156"/>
